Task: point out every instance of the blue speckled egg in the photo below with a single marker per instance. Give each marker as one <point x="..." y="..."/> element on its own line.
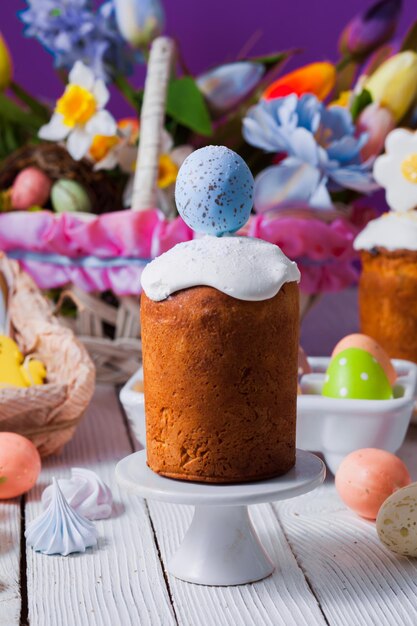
<point x="214" y="191"/>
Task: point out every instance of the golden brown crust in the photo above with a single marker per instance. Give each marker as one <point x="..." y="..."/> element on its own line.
<point x="388" y="300"/>
<point x="220" y="378"/>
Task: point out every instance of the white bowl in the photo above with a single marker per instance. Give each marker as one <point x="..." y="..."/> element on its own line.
<point x="335" y="427"/>
<point x="133" y="403"/>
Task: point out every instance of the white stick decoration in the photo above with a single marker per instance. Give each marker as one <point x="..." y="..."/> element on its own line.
<point x="151" y="123"/>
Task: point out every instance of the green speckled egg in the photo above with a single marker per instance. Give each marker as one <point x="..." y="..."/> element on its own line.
<point x="355" y="373"/>
<point x="69" y="196"/>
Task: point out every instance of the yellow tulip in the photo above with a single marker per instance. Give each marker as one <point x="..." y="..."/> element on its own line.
<point x="394" y="83"/>
<point x="343" y="100"/>
<point x="5" y="65"/>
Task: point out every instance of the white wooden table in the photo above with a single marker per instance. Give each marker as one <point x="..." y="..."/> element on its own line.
<point x="331" y="569"/>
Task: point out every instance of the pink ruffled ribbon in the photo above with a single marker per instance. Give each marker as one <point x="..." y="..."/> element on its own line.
<point x="110" y="251"/>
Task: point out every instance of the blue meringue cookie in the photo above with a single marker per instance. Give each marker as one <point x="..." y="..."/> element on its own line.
<point x="214" y="191"/>
<point x="60" y="529"/>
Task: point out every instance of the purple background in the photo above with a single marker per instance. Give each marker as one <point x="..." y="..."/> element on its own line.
<point x="210" y="32"/>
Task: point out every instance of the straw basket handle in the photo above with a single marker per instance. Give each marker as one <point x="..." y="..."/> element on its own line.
<point x="151" y="123"/>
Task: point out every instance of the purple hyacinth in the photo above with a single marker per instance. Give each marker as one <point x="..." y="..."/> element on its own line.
<point x="72" y="31"/>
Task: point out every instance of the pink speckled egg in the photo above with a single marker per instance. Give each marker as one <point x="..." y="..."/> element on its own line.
<point x="367" y="477"/>
<point x="31" y="187"/>
<point x="364" y="342"/>
<point x="20" y="465"/>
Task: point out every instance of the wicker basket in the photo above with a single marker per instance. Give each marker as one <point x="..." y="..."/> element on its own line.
<point x="110" y="331"/>
<point x="47" y="414"/>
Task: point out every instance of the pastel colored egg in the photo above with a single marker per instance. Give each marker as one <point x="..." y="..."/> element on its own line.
<point x="356" y="374"/>
<point x="364" y="342"/>
<point x="396" y="522"/>
<point x="367" y="477"/>
<point x="31" y="186"/>
<point x="20" y="465"/>
<point x="214" y="191"/>
<point x="69" y="196"/>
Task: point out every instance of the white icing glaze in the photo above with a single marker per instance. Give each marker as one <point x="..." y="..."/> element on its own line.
<point x="393" y="231"/>
<point x="60" y="529"/>
<point x="242" y="267"/>
<point x="85" y="492"/>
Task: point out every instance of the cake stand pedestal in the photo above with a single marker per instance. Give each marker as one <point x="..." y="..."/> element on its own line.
<point x="221" y="546"/>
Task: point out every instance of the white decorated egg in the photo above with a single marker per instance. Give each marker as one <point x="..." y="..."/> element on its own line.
<point x="354" y="373"/>
<point x="396" y="522"/>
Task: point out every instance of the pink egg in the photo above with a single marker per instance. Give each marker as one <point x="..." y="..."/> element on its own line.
<point x="31" y="187"/>
<point x="303" y="364"/>
<point x="363" y="342"/>
<point x="367" y="477"/>
<point x="20" y="465"/>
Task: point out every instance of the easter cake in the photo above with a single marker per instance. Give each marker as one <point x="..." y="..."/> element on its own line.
<point x="388" y="249"/>
<point x="219" y="321"/>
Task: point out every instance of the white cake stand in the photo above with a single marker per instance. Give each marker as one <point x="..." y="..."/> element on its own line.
<point x="221" y="546"/>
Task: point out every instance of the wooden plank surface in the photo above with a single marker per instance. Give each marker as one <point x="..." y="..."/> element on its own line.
<point x="357" y="581"/>
<point x="281" y="599"/>
<point x="120" y="582"/>
<point x="332" y="569"/>
<point x="10" y="601"/>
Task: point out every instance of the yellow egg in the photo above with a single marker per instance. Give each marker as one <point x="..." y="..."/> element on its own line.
<point x="396" y="522"/>
<point x="14" y="372"/>
<point x="11" y="360"/>
<point x="34" y="372"/>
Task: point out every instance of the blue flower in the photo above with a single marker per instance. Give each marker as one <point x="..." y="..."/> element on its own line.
<point x="71" y="31"/>
<point x="322" y="152"/>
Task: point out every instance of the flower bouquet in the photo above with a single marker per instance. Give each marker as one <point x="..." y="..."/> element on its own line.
<point x="87" y="200"/>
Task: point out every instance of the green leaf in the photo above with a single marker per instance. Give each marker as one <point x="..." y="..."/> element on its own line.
<point x="274" y="58"/>
<point x="12" y="136"/>
<point x="410" y="40"/>
<point x="133" y="97"/>
<point x="186" y="105"/>
<point x="360" y="102"/>
<point x="345" y="77"/>
<point x="34" y="105"/>
<point x="10" y="111"/>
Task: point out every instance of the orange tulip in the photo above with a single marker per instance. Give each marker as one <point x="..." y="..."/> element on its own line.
<point x="315" y="78"/>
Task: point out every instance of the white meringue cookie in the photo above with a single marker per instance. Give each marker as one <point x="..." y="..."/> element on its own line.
<point x="85" y="492"/>
<point x="60" y="529"/>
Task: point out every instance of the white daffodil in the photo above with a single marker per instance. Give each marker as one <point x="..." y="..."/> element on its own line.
<point x="79" y="114"/>
<point x="396" y="170"/>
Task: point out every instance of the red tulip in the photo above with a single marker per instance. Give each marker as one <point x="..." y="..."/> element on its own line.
<point x="315" y="78"/>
